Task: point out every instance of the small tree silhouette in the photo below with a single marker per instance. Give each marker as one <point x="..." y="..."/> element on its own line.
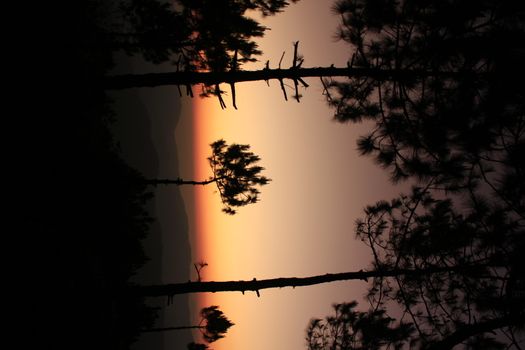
<point x="235" y="172"/>
<point x="216" y="324"/>
<point x="213" y="325"/>
<point x="352" y="329"/>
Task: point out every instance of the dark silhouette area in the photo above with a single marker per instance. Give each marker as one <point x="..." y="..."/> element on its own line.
<point x="195" y="36"/>
<point x="460" y="141"/>
<point x="235" y="174"/>
<point x="80" y="209"/>
<point x="82" y="213"/>
<point x="349" y="328"/>
<point x="143" y="129"/>
<point x="439" y="82"/>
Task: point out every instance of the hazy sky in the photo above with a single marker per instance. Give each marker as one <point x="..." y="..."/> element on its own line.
<point x="304" y="223"/>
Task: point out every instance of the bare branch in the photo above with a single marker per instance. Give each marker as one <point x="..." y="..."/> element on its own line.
<point x="284" y="89"/>
<point x="232" y="86"/>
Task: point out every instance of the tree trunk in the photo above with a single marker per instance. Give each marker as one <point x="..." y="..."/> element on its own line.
<point x="162" y="329"/>
<point x="255" y="285"/>
<point x="179" y="182"/>
<point x="211" y="78"/>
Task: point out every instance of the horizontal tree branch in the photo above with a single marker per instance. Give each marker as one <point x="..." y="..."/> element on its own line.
<point x="256" y="285"/>
<point x="295" y="73"/>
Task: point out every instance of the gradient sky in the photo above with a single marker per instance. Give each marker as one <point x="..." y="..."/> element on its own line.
<point x="304" y="223"/>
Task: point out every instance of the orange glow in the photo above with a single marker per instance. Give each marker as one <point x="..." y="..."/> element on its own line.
<point x="225" y="242"/>
<point x="262" y="240"/>
<point x="211" y="225"/>
<point x="220" y="239"/>
<point x="288" y="233"/>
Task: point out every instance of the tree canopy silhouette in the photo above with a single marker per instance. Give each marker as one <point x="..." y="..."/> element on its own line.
<point x="216" y="323"/>
<point x="352" y="329"/>
<point x="215" y="326"/>
<point x="421" y="231"/>
<point x="457" y="138"/>
<point x="433" y="125"/>
<point x="235" y="173"/>
<point x="195" y="35"/>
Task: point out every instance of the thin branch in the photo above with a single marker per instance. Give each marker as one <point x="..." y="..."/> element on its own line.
<point x="280" y="61"/>
<point x="218" y="93"/>
<point x="232" y="87"/>
<point x="284" y="89"/>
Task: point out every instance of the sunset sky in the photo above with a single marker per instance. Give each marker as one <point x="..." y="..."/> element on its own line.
<point x="304" y="223"/>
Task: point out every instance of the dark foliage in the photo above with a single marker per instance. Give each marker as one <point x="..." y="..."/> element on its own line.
<point x="216" y="324"/>
<point x="452" y="122"/>
<point x="420" y="231"/>
<point x="194" y="36"/>
<point x="236" y="174"/>
<point x="352" y="329"/>
<point x="198" y="35"/>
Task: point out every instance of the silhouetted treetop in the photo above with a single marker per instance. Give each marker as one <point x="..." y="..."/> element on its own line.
<point x="434" y="125"/>
<point x="235" y="172"/>
<point x="220" y="28"/>
<point x="216" y="323"/>
<point x="429" y="228"/>
<point x="349" y="329"/>
<point x="213" y="326"/>
<point x="267" y="7"/>
<point x="152" y="29"/>
<point x="195" y="35"/>
<point x="456" y="137"/>
<point x="446" y="305"/>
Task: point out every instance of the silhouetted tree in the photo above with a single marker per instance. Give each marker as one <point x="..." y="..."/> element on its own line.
<point x="214" y="328"/>
<point x="235" y="172"/>
<point x="434" y="126"/>
<point x="352" y="329"/>
<point x="421" y="231"/>
<point x="458" y="139"/>
<point x="296" y="73"/>
<point x="150" y="28"/>
<point x="481" y="307"/>
<point x="216" y="324"/>
<point x="195" y="36"/>
<point x="198" y="35"/>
